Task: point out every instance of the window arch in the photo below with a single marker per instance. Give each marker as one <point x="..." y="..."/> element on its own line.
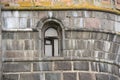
<point x="52" y="37"/>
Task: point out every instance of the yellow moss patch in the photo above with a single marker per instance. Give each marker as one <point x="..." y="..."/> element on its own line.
<point x="25" y="4"/>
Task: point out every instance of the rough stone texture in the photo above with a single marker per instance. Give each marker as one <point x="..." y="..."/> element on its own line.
<point x="90" y="48"/>
<point x="31" y="76"/>
<point x="102" y="77"/>
<point x="52" y="76"/>
<point x="0" y="46"/>
<point x="16" y="67"/>
<point x="69" y="76"/>
<point x="82" y="65"/>
<point x="86" y="76"/>
<point x="10" y="77"/>
<point x="42" y="66"/>
<point x="62" y="65"/>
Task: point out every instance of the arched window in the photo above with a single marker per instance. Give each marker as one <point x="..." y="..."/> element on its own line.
<point x="52" y="39"/>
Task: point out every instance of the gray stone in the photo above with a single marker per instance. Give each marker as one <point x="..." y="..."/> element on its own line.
<point x="32" y="76"/>
<point x="94" y="66"/>
<point x="103" y="67"/>
<point x="115" y="70"/>
<point x="16" y="67"/>
<point x="52" y="76"/>
<point x="62" y="65"/>
<point x="29" y="45"/>
<point x="69" y="76"/>
<point x="102" y="77"/>
<point x="99" y="45"/>
<point x="114" y="48"/>
<point x="81" y="65"/>
<point x="111" y="16"/>
<point x="8" y="35"/>
<point x="10" y="77"/>
<point x="86" y="76"/>
<point x="112" y="56"/>
<point x="42" y="66"/>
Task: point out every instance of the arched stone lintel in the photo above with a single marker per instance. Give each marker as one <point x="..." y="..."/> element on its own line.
<point x="45" y="20"/>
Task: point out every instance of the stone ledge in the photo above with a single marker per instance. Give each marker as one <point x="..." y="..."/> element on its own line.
<point x="50" y="59"/>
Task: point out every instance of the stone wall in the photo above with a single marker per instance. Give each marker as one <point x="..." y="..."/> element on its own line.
<point x="0" y="46"/>
<point x="90" y="46"/>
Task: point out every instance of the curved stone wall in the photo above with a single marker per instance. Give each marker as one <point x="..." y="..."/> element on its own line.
<point x="90" y="50"/>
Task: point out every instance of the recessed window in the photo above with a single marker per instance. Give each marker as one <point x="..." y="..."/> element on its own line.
<point x="52" y="39"/>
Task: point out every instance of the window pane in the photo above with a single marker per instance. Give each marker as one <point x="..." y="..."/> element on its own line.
<point x="56" y="47"/>
<point x="48" y="50"/>
<point x="51" y="32"/>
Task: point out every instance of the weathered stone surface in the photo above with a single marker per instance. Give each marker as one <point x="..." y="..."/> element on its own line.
<point x="42" y="66"/>
<point x="69" y="76"/>
<point x="94" y="66"/>
<point x="86" y="76"/>
<point x="32" y="76"/>
<point x="103" y="67"/>
<point x="62" y="65"/>
<point x="10" y="77"/>
<point x="115" y="70"/>
<point x="81" y="65"/>
<point x="8" y="35"/>
<point x="99" y="45"/>
<point x="16" y="67"/>
<point x="102" y="77"/>
<point x="52" y="76"/>
<point x="92" y="23"/>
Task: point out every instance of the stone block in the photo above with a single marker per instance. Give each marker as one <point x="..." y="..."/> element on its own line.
<point x="103" y="67"/>
<point x="117" y="39"/>
<point x="10" y="77"/>
<point x="11" y="23"/>
<point x="100" y="15"/>
<point x="113" y="78"/>
<point x="81" y="65"/>
<point x="102" y="77"/>
<point x="69" y="76"/>
<point x="67" y="34"/>
<point x="52" y="76"/>
<point x="114" y="48"/>
<point x="92" y="23"/>
<point x="8" y="35"/>
<point x="112" y="56"/>
<point x="42" y="66"/>
<point x="15" y="13"/>
<point x="105" y="36"/>
<point x="106" y="46"/>
<point x="32" y="76"/>
<point x="82" y="44"/>
<point x="111" y="37"/>
<point x="16" y="67"/>
<point x="107" y="25"/>
<point x="87" y="14"/>
<point x="94" y="66"/>
<point x="86" y="76"/>
<point x="98" y="45"/>
<point x="23" y="35"/>
<point x="68" y="44"/>
<point x="117" y="26"/>
<point x="97" y="36"/>
<point x="62" y="65"/>
<point x="6" y="14"/>
<point x="86" y="53"/>
<point x="13" y="54"/>
<point x="115" y="70"/>
<point x="23" y="23"/>
<point x="25" y="14"/>
<point x="111" y="16"/>
<point x="29" y="45"/>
